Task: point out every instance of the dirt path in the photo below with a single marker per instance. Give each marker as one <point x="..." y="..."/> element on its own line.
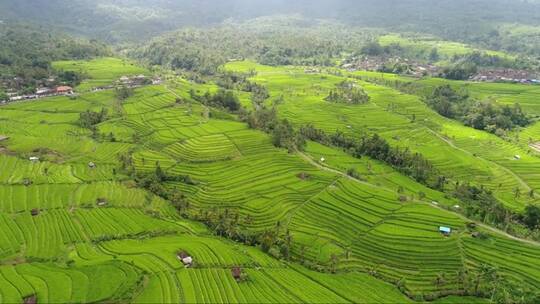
<point x="461" y="216"/>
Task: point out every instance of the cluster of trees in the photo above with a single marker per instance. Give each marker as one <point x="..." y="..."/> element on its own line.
<point x="26" y="53"/>
<point x="348" y="92"/>
<point x="485" y="60"/>
<point x="224" y="99"/>
<point x="70" y="78"/>
<point x="481" y="205"/>
<point x="396" y="68"/>
<point x="123" y="93"/>
<point x="459" y="71"/>
<point x="374" y="48"/>
<point x="480" y="115"/>
<point x="283" y="133"/>
<point x="531" y="217"/>
<point x="231" y="224"/>
<point x="156" y="183"/>
<point x="89" y="119"/>
<point x="233" y="80"/>
<point x="239" y="81"/>
<point x="486" y="281"/>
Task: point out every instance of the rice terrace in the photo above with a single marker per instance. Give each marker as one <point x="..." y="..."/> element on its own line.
<point x="250" y="151"/>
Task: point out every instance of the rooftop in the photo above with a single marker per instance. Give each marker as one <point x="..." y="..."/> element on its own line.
<point x="445" y="229"/>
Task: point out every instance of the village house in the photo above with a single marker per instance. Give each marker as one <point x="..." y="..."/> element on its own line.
<point x="505" y="75"/>
<point x="380" y="63"/>
<point x="33" y="159"/>
<point x="138" y="80"/>
<point x="157" y="81"/>
<point x="311" y="71"/>
<point x="64" y="90"/>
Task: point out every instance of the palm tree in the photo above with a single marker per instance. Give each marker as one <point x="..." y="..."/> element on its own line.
<point x="517" y="192"/>
<point x="440" y="280"/>
<point x="487" y="273"/>
<point x="334" y="260"/>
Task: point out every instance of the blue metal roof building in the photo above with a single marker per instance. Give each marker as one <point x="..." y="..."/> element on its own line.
<point x="445" y="230"/>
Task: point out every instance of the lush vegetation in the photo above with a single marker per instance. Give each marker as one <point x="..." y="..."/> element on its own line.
<point x="481" y="115"/>
<point x="348" y="92"/>
<point x="26" y="54"/>
<point x="204" y="50"/>
<point x="173" y="161"/>
<point x="257" y="147"/>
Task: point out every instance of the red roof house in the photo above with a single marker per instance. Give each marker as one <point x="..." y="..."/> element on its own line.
<point x="64" y="89"/>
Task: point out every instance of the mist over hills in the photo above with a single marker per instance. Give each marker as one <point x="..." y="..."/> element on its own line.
<point x="132" y="20"/>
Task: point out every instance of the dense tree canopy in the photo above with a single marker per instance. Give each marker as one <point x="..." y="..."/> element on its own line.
<point x="482" y="115"/>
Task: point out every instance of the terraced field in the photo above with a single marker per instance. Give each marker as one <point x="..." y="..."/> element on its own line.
<point x="461" y="153"/>
<point x="100" y="72"/>
<point x="77" y="233"/>
<point x="424" y="45"/>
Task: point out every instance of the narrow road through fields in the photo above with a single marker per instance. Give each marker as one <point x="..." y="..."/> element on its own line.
<point x="461" y="216"/>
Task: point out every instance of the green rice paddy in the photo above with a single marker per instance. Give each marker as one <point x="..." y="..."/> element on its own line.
<point x="424" y="45"/>
<point x="77" y="250"/>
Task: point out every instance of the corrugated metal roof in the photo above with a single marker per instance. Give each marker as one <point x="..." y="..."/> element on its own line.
<point x="445" y="229"/>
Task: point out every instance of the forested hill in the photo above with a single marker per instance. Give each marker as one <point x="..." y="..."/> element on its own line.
<point x="137" y="19"/>
<point x="26" y="53"/>
<point x="269" y="40"/>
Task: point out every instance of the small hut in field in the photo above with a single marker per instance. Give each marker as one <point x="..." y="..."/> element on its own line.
<point x="102" y="202"/>
<point x="32" y="299"/>
<point x="446" y="231"/>
<point x="185" y="258"/>
<point x="303" y="175"/>
<point x="34" y="212"/>
<point x="236" y="272"/>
